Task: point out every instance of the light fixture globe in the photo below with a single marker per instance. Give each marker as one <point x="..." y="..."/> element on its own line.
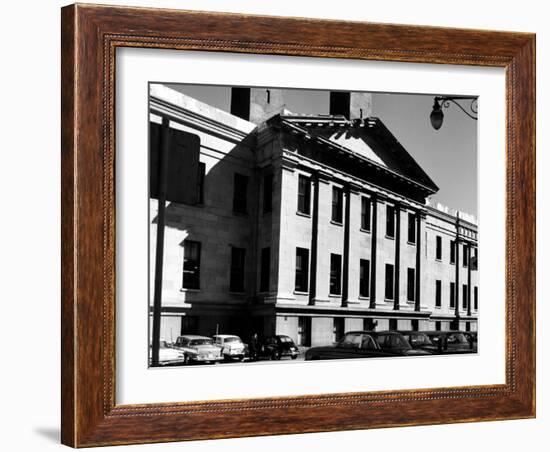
<point x="436" y="116"/>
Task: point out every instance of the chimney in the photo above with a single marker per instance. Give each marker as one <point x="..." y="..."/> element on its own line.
<point x="351" y="105"/>
<point x="240" y="102"/>
<point x="256" y="104"/>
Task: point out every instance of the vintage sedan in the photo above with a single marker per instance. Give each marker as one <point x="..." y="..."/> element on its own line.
<point x="354" y="344"/>
<point x="198" y="349"/>
<point x="448" y="342"/>
<point x="277" y="347"/>
<point x="395" y="344"/>
<point x="419" y="340"/>
<point x="232" y="347"/>
<point x="169" y="356"/>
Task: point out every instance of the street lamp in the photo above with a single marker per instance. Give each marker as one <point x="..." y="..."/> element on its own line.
<point x="436" y="116"/>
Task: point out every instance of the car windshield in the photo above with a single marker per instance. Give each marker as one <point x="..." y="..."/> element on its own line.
<point x="420" y="339"/>
<point x="393" y="341"/>
<point x="194" y="342"/>
<point x="233" y="339"/>
<point x="457" y="338"/>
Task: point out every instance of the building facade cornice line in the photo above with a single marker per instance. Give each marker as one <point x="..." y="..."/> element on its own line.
<point x="190" y="118"/>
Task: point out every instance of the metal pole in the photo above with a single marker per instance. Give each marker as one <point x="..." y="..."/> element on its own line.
<point x="164" y="149"/>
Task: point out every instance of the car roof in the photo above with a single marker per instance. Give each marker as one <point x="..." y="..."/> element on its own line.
<point x="223" y="336"/>
<point x="194" y="336"/>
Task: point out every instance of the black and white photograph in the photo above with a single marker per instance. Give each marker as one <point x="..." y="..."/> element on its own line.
<point x="289" y="224"/>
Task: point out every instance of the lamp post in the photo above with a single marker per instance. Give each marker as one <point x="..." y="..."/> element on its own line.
<point x="436" y="116"/>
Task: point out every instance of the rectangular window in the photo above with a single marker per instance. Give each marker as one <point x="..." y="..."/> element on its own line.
<point x="337" y="204"/>
<point x="365" y="213"/>
<point x="304" y="194"/>
<point x="335" y="274"/>
<point x="388" y="294"/>
<point x="364" y="278"/>
<point x="465" y="255"/>
<point x="236" y="280"/>
<point x="438" y="293"/>
<point x="438" y="248"/>
<point x="390" y="221"/>
<point x="338" y="328"/>
<point x="240" y="187"/>
<point x="191" y="264"/>
<point x="410" y="284"/>
<point x="268" y="193"/>
<point x="475" y="298"/>
<point x="453" y="251"/>
<point x="265" y="269"/>
<point x="200" y="183"/>
<point x="452" y="295"/>
<point x="302" y="269"/>
<point x="474" y="259"/>
<point x="411" y="231"/>
<point x="464" y="296"/>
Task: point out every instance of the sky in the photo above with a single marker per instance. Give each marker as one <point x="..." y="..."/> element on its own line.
<point x="447" y="155"/>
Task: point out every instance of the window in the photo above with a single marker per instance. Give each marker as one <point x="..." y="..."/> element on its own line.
<point x="364" y="278"/>
<point x="465" y="255"/>
<point x="304" y="331"/>
<point x="268" y="192"/>
<point x="304" y="194"/>
<point x="337" y="204"/>
<point x="365" y="213"/>
<point x="390" y="221"/>
<point x="338" y="328"/>
<point x="335" y="274"/>
<point x="475" y="298"/>
<point x="236" y="280"/>
<point x="411" y="231"/>
<point x="438" y="325"/>
<point x="410" y="284"/>
<point x="240" y="185"/>
<point x="438" y="248"/>
<point x="464" y="296"/>
<point x="388" y="295"/>
<point x="191" y="264"/>
<point x="265" y="269"/>
<point x="452" y="295"/>
<point x="438" y="293"/>
<point x="302" y="267"/>
<point x="453" y="251"/>
<point x="200" y="183"/>
<point x="474" y="259"/>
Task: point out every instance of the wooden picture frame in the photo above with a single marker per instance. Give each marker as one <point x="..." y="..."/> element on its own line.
<point x="90" y="36"/>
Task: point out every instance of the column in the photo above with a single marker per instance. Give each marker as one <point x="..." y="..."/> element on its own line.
<point x="397" y="240"/>
<point x="286" y="255"/>
<point x="373" y="232"/>
<point x="350" y="267"/>
<point x="469" y="279"/>
<point x="319" y="281"/>
<point x="418" y="270"/>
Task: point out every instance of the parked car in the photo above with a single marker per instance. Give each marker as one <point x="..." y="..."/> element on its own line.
<point x="279" y="346"/>
<point x="232" y="347"/>
<point x="419" y="340"/>
<point x="169" y="356"/>
<point x="395" y="344"/>
<point x="198" y="349"/>
<point x="354" y="344"/>
<point x="452" y="342"/>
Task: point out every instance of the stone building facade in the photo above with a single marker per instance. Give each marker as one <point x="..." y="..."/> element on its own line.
<point x="304" y="225"/>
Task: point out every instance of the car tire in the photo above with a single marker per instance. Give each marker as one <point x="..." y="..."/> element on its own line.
<point x="294" y="356"/>
<point x="186" y="359"/>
